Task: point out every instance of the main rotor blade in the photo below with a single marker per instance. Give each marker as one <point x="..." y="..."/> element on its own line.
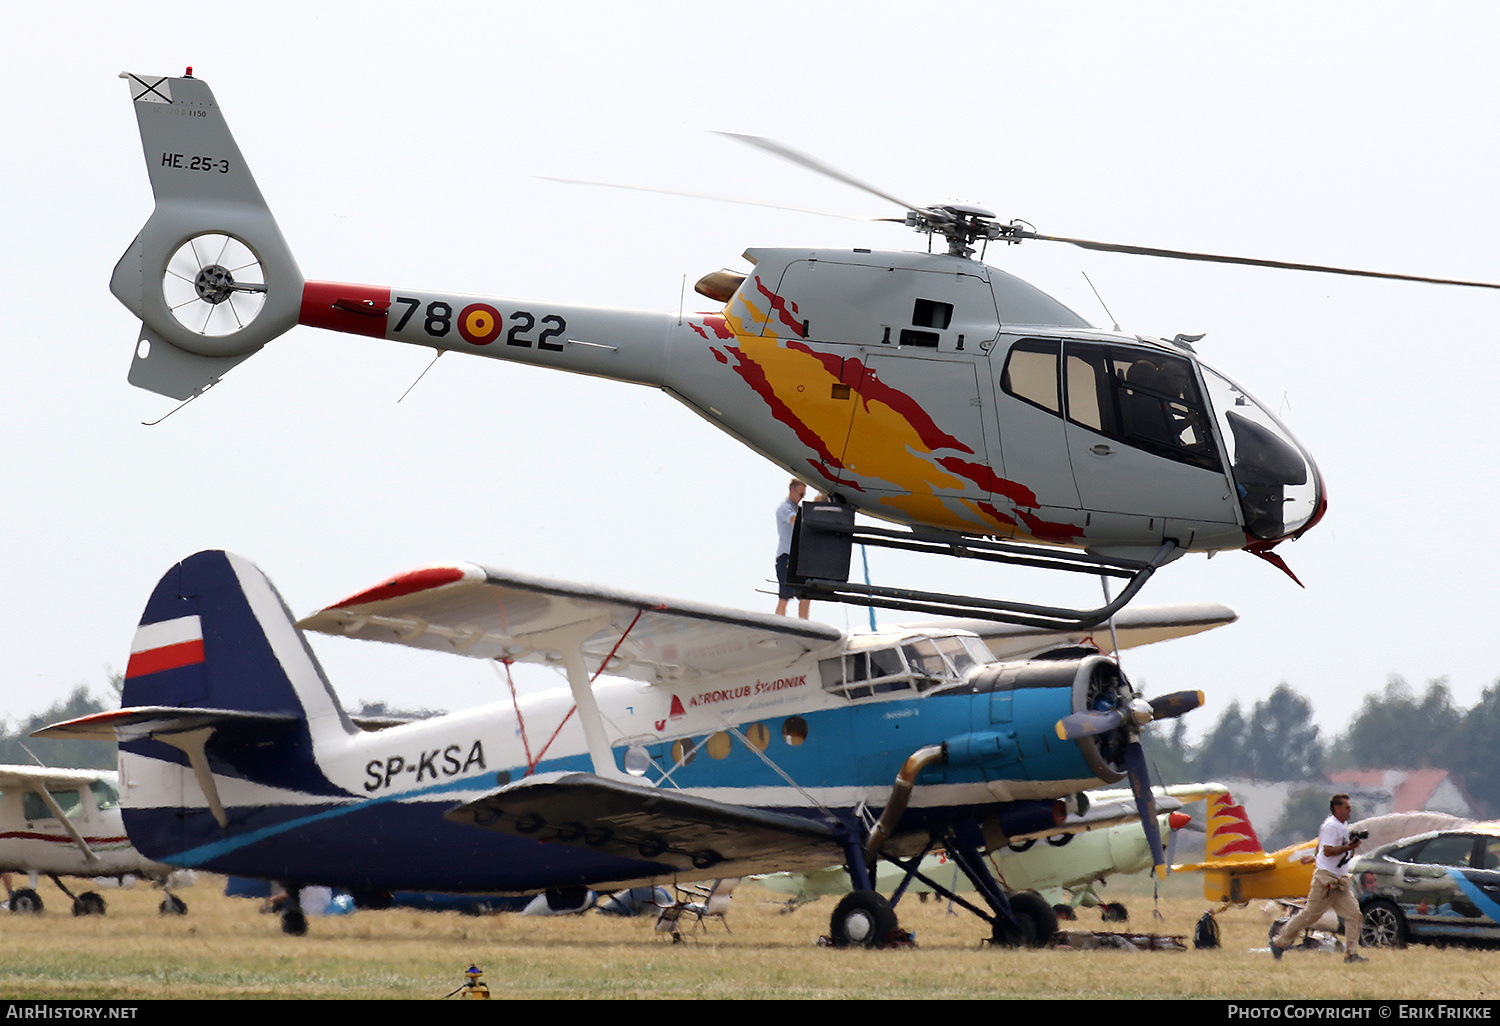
<point x="1088" y="723"/>
<point x="1167" y="707"/>
<point x="711" y="196"/>
<point x="1145" y="804"/>
<point x="1285" y="265"/>
<point x="801" y="159"/>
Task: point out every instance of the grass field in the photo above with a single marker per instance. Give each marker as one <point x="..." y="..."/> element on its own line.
<point x="224" y="948"/>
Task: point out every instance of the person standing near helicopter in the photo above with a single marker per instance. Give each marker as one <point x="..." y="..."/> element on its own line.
<point x="786" y="517"/>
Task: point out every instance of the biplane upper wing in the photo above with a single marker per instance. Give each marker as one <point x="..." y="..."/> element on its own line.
<point x="495" y="614"/>
<point x="1134" y="626"/>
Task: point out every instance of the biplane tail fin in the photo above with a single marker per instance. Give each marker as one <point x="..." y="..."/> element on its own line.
<point x="210" y="276"/>
<point x="217" y="636"/>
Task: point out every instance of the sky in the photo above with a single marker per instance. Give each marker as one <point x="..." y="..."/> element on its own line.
<point x="408" y="146"/>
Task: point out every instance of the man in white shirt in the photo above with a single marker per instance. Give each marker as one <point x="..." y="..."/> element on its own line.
<point x="1330" y="885"/>
<point x="786" y="516"/>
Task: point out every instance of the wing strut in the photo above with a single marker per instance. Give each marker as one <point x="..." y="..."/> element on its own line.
<point x="567" y="641"/>
<point x="191" y="743"/>
<point x="45" y="795"/>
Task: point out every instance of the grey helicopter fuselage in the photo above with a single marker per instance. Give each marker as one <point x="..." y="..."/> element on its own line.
<point x="930" y="390"/>
<point x="924" y="389"/>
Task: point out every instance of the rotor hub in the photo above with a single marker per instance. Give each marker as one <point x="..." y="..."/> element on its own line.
<point x="214" y="284"/>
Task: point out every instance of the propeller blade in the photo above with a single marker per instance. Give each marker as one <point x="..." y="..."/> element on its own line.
<point x="775" y="148"/>
<point x="1285" y="265"/>
<point x="1168" y="707"/>
<point x="1145" y="804"/>
<point x="1087" y="724"/>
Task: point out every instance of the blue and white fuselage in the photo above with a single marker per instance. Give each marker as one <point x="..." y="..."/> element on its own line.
<point x="713" y="736"/>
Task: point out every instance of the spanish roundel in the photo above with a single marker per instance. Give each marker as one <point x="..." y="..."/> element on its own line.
<point x="479" y="324"/>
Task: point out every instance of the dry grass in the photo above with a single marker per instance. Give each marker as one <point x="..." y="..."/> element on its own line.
<point x="225" y="949"/>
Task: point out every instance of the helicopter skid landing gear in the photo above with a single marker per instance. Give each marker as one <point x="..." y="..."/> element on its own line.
<point x="823" y="544"/>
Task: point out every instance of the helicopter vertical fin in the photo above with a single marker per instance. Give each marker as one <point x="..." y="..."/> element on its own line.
<point x="210" y="276"/>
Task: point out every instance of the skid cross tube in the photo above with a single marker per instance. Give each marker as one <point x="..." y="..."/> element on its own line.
<point x="826" y="534"/>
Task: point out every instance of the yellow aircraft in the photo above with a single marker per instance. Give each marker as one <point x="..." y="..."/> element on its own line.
<point x="1237" y="869"/>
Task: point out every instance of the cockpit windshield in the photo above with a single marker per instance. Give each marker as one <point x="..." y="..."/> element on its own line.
<point x="1279" y="487"/>
<point x="916" y="665"/>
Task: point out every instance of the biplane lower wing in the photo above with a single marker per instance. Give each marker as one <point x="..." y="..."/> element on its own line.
<point x="692" y="834"/>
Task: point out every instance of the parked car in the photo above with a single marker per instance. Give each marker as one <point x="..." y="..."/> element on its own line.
<point x="1439" y="886"/>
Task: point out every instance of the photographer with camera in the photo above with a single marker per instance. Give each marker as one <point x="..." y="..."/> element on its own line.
<point x="1330" y="884"/>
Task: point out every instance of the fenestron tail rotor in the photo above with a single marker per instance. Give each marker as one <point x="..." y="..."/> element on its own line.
<point x="214" y="284"/>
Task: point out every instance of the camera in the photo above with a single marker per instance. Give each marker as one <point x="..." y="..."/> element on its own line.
<point x="1359" y="835"/>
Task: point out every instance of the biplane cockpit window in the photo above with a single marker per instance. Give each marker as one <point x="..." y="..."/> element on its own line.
<point x="918" y="665"/>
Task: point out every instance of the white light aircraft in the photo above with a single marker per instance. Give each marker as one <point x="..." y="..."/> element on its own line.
<point x="66" y="822"/>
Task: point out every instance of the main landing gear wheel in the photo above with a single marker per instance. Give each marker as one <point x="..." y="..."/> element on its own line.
<point x="1037" y="920"/>
<point x="1113" y="912"/>
<point x="214" y="284"/>
<point x="26" y="900"/>
<point x="88" y="903"/>
<point x="862" y="920"/>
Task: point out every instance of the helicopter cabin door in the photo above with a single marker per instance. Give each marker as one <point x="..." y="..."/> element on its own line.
<point x="907" y="342"/>
<point x="1141" y="437"/>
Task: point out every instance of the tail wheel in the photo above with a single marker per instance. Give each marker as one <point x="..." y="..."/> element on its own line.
<point x="862" y="920"/>
<point x="214" y="284"/>
<point x="1384" y="925"/>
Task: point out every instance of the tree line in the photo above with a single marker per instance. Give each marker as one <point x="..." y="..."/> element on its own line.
<point x="1395" y="728"/>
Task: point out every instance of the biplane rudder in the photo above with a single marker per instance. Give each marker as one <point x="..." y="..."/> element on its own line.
<point x="216" y="635"/>
<point x="210" y="276"/>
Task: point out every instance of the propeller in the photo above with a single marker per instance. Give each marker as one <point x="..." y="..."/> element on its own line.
<point x="1133" y="713"/>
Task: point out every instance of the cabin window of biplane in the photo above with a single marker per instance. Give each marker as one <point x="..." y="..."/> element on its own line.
<point x="1144" y="398"/>
<point x="919" y="665"/>
<point x="34" y="808"/>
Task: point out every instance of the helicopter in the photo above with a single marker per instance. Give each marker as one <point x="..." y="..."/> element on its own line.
<point x="926" y="389"/>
